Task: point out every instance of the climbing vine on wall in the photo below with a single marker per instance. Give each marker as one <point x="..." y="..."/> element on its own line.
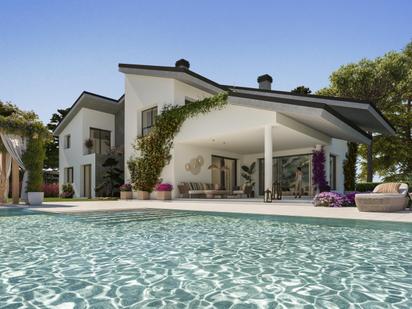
<point x="153" y="149"/>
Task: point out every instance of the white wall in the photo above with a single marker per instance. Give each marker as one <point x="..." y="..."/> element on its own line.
<point x="338" y="148"/>
<point x="143" y="92"/>
<point x="76" y="155"/>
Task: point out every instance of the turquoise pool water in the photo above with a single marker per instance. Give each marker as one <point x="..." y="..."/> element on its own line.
<point x="170" y="259"/>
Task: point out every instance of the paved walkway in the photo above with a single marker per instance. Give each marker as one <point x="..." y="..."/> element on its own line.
<point x="284" y="208"/>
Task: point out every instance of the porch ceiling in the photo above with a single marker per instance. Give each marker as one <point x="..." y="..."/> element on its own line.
<point x="252" y="141"/>
<point x="317" y="116"/>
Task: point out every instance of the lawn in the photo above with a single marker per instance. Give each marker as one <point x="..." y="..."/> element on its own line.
<point x="59" y="199"/>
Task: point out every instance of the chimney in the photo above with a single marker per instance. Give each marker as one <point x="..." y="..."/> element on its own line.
<point x="183" y="64"/>
<point x="265" y="82"/>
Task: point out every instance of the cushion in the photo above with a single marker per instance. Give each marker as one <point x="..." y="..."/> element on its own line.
<point x="389" y="187"/>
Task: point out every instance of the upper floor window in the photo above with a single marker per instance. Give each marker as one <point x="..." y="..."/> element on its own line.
<point x="148" y="119"/>
<point x="101" y="141"/>
<point x="67" y="141"/>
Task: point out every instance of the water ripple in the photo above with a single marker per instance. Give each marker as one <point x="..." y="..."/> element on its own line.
<point x="186" y="260"/>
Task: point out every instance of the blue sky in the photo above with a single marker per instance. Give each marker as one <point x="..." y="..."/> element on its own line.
<point x="50" y="51"/>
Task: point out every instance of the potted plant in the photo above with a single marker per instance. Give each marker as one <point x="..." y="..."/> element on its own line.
<point x="126" y="191"/>
<point x="89" y="145"/>
<point x="247" y="173"/>
<point x="33" y="159"/>
<point x="164" y="191"/>
<point x="67" y="191"/>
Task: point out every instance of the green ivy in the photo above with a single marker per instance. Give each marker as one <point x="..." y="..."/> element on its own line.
<point x="154" y="148"/>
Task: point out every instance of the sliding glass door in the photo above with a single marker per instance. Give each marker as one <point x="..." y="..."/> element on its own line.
<point x="224" y="172"/>
<point x="284" y="172"/>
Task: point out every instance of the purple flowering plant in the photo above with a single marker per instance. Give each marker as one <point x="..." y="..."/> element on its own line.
<point x="125" y="187"/>
<point x="164" y="187"/>
<point x="334" y="199"/>
<point x="318" y="170"/>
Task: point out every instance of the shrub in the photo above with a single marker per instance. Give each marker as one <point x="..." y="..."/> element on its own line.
<point x="125" y="187"/>
<point x="334" y="199"/>
<point x="369" y="186"/>
<point x="164" y="187"/>
<point x="67" y="191"/>
<point x="366" y="186"/>
<point x="51" y="189"/>
<point x="350" y="196"/>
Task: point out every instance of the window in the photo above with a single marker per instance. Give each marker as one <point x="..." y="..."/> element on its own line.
<point x="284" y="172"/>
<point x="67" y="141"/>
<point x="148" y="119"/>
<point x="101" y="141"/>
<point x="332" y="172"/>
<point x="68" y="175"/>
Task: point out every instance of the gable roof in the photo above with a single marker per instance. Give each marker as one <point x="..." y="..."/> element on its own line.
<point x="362" y="115"/>
<point x="92" y="101"/>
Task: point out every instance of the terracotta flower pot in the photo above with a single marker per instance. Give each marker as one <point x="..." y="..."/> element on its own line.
<point x="126" y="195"/>
<point x="164" y="195"/>
<point x="143" y="195"/>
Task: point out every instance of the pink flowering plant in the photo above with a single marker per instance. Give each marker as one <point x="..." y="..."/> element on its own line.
<point x="164" y="187"/>
<point x="334" y="199"/>
<point x="125" y="187"/>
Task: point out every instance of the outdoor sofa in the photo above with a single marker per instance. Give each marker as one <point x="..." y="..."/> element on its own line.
<point x="208" y="190"/>
<point x="198" y="189"/>
<point x="387" y="197"/>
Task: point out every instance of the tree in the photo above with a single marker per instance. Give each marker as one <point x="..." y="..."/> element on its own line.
<point x="112" y="177"/>
<point x="385" y="81"/>
<point x="349" y="167"/>
<point x="52" y="147"/>
<point x="301" y="90"/>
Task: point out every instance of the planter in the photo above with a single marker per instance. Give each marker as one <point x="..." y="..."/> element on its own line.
<point x="126" y="195"/>
<point x="164" y="195"/>
<point x="143" y="195"/>
<point x="35" y="198"/>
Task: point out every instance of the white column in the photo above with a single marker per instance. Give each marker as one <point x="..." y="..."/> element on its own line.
<point x="268" y="157"/>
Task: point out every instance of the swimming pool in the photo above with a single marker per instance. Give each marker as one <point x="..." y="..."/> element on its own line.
<point x="178" y="259"/>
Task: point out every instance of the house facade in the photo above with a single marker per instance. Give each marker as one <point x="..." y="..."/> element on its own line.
<point x="277" y="130"/>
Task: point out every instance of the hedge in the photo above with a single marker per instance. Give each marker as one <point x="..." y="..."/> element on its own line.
<point x="369" y="186"/>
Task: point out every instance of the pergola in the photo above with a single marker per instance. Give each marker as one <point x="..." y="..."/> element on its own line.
<point x="9" y="164"/>
<point x="17" y="129"/>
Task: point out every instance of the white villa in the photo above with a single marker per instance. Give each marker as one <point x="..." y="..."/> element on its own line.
<point x="278" y="130"/>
